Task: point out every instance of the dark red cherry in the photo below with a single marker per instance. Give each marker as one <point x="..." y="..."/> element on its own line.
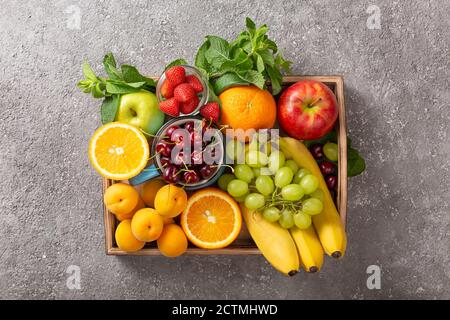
<point x="171" y="174"/>
<point x="196" y="157"/>
<point x="170" y="130"/>
<point x="327" y="167"/>
<point x="164" y="161"/>
<point x="189" y="126"/>
<point x="164" y="148"/>
<point x="190" y="177"/>
<point x="206" y="171"/>
<point x="331" y="182"/>
<point x="317" y="151"/>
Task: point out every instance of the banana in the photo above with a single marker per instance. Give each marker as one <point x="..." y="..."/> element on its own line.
<point x="274" y="242"/>
<point x="328" y="224"/>
<point x="309" y="248"/>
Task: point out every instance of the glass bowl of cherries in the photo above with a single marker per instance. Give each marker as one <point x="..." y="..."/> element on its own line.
<point x="188" y="151"/>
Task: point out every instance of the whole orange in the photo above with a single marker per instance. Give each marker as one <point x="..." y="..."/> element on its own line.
<point x="248" y="107"/>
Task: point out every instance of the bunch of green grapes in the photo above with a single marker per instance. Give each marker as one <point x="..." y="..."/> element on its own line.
<point x="277" y="187"/>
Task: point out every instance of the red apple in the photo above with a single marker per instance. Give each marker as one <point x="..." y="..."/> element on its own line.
<point x="307" y="110"/>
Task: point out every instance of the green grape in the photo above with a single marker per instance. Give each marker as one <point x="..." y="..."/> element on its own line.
<point x="302" y="220"/>
<point x="253" y="144"/>
<point x="309" y="183"/>
<point x="331" y="151"/>
<point x="264" y="184"/>
<point x="237" y="188"/>
<point x="283" y="177"/>
<point x="312" y="206"/>
<point x="256" y="159"/>
<point x="271" y="214"/>
<point x="300" y="174"/>
<point x="276" y="161"/>
<point x="224" y="180"/>
<point x="241" y="199"/>
<point x="292" y="164"/>
<point x="292" y="192"/>
<point x="255" y="201"/>
<point x="286" y="219"/>
<point x="318" y="194"/>
<point x="244" y="172"/>
<point x="234" y="149"/>
<point x="256" y="172"/>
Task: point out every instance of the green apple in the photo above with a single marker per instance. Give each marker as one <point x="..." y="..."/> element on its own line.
<point x="141" y="110"/>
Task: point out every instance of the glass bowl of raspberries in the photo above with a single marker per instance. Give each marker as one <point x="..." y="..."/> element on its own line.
<point x="181" y="90"/>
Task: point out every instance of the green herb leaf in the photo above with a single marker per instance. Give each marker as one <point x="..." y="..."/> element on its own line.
<point x="109" y="108"/>
<point x="97" y="91"/>
<point x="267" y="56"/>
<point x="131" y="74"/>
<point x="110" y="67"/>
<point x="253" y="77"/>
<point x="176" y="62"/>
<point x="355" y="163"/>
<point x="251" y="27"/>
<point x="88" y="72"/>
<point x="109" y="59"/>
<point x="218" y="51"/>
<point x="276" y="79"/>
<point x="259" y="63"/>
<point x="120" y="87"/>
<point x="200" y="57"/>
<point x="226" y="81"/>
<point x="282" y="63"/>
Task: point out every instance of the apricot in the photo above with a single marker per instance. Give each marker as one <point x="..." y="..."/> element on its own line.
<point x="149" y="190"/>
<point x="125" y="239"/>
<point x="170" y="201"/>
<point x="172" y="241"/>
<point x="168" y="220"/>
<point x="147" y="225"/>
<point x="121" y="198"/>
<point x="130" y="215"/>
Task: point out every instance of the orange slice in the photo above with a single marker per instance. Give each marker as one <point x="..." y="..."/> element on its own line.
<point x="118" y="151"/>
<point x="212" y="219"/>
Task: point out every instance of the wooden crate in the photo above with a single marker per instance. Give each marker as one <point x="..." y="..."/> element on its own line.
<point x="244" y="245"/>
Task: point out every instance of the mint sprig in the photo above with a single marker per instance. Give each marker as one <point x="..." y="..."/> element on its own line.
<point x="120" y="81"/>
<point x="251" y="59"/>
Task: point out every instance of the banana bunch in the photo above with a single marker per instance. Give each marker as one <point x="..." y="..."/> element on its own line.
<point x="288" y="250"/>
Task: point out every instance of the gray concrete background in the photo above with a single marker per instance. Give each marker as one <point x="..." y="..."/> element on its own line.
<point x="397" y="97"/>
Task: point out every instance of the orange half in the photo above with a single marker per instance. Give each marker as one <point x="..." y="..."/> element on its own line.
<point x="212" y="219"/>
<point x="118" y="151"/>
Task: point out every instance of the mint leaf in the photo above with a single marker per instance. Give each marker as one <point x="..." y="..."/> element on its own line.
<point x="200" y="57"/>
<point x="218" y="51"/>
<point x="269" y="44"/>
<point x="226" y="81"/>
<point x="253" y="77"/>
<point x="109" y="108"/>
<point x="120" y="87"/>
<point x="251" y="27"/>
<point x="110" y="67"/>
<point x="259" y="63"/>
<point x="355" y="163"/>
<point x="282" y="63"/>
<point x="88" y="72"/>
<point x="176" y="62"/>
<point x="97" y="91"/>
<point x="131" y="74"/>
<point x="276" y="79"/>
<point x="267" y="57"/>
<point x="212" y="96"/>
<point x="109" y="59"/>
